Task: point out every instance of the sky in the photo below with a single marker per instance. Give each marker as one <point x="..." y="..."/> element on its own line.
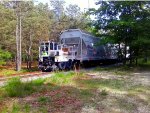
<point x="83" y="4"/>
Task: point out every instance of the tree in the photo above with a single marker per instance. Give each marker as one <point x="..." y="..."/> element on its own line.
<point x="76" y="18"/>
<point x="7" y="29"/>
<point x="123" y="22"/>
<point x="29" y="23"/>
<point x="36" y="26"/>
<point x="4" y="56"/>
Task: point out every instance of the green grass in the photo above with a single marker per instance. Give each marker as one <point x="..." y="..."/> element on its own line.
<point x="70" y="89"/>
<point x="62" y="78"/>
<point x="104" y="92"/>
<point x="9" y="72"/>
<point x="16" y="88"/>
<point x="44" y="100"/>
<point x="6" y="72"/>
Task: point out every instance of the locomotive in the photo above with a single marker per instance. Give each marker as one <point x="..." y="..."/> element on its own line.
<point x="75" y="47"/>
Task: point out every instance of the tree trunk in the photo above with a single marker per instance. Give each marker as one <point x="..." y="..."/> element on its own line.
<point x="136" y="61"/>
<point x="18" y="68"/>
<point x="20" y="53"/>
<point x="119" y="53"/>
<point x="18" y="37"/>
<point x="125" y="52"/>
<point x="145" y="57"/>
<point x="131" y="58"/>
<point x="30" y="62"/>
<point x="28" y="51"/>
<point x="27" y="61"/>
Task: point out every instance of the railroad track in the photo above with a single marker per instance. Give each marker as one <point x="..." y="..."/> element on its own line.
<point x="27" y="77"/>
<point x="36" y="75"/>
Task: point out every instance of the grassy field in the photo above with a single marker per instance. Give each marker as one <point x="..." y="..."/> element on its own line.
<point x="102" y="90"/>
<point x="7" y="71"/>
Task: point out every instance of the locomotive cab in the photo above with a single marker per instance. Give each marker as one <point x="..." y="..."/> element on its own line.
<point x="54" y="56"/>
<point x="47" y="52"/>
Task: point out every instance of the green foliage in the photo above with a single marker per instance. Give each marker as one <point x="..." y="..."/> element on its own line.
<point x="4" y="56"/>
<point x="39" y="23"/>
<point x="124" y="22"/>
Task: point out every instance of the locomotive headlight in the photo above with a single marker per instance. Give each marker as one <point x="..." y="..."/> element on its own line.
<point x="56" y="58"/>
<point x="41" y="60"/>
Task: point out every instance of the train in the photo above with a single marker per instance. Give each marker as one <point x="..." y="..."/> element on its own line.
<point x="75" y="47"/>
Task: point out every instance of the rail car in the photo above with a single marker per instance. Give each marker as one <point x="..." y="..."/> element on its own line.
<point x="75" y="47"/>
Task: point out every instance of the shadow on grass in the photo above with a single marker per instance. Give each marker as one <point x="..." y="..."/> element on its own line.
<point x="99" y="82"/>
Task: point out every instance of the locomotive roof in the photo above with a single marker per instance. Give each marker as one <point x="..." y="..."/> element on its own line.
<point x="82" y="31"/>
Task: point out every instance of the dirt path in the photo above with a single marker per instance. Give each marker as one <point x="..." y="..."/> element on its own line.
<point x="141" y="78"/>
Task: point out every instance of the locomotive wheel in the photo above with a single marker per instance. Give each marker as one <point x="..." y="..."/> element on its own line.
<point x="69" y="64"/>
<point x="62" y="65"/>
<point x="55" y="68"/>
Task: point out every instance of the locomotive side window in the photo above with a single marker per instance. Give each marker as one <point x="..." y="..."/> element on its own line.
<point x="42" y="49"/>
<point x="59" y="47"/>
<point x="46" y="46"/>
<point x="55" y="46"/>
<point x="51" y="46"/>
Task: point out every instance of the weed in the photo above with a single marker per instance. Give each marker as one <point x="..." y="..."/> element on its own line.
<point x="16" y="108"/>
<point x="104" y="92"/>
<point x="14" y="87"/>
<point x="26" y="108"/>
<point x="43" y="100"/>
<point x="86" y="94"/>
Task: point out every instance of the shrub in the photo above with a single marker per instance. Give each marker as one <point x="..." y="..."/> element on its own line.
<point x="14" y="87"/>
